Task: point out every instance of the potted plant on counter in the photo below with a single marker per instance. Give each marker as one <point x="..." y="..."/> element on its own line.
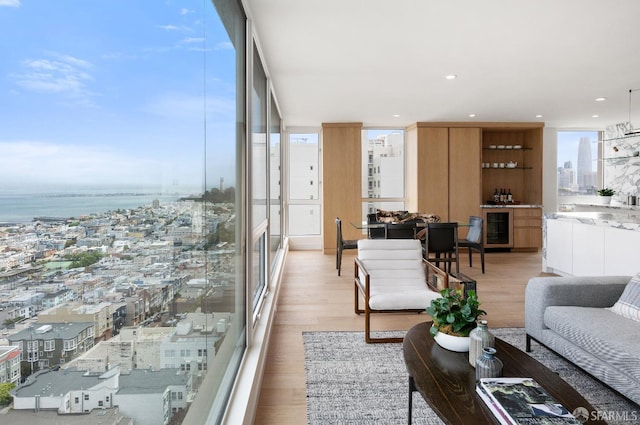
<point x="454" y="316"/>
<point x="605" y="195"/>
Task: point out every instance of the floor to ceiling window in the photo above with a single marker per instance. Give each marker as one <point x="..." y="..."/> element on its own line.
<point x="304" y="177"/>
<point x="382" y="170"/>
<point x="136" y="186"/>
<point x="579" y="168"/>
<point x="276" y="218"/>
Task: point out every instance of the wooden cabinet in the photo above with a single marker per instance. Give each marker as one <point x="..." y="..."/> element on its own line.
<point x="527" y="228"/>
<point x="445" y="162"/>
<point x="521" y="144"/>
<point x="465" y="194"/>
<point x="341" y="180"/>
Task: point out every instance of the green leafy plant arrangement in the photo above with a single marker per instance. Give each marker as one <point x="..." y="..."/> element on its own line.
<point x="605" y="191"/>
<point x="454" y="314"/>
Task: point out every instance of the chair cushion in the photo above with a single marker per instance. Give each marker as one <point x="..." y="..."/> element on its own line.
<point x="628" y="305"/>
<point x="397" y="275"/>
<point x="400" y="294"/>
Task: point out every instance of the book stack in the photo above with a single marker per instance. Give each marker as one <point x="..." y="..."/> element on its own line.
<point x="522" y="401"/>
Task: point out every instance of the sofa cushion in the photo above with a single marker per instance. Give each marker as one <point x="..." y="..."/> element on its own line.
<point x="599" y="331"/>
<point x="629" y="303"/>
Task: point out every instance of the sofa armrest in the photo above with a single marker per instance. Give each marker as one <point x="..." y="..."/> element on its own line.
<point x="583" y="291"/>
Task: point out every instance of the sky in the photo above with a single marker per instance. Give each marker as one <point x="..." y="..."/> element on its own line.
<point x="568" y="142"/>
<point x="113" y="93"/>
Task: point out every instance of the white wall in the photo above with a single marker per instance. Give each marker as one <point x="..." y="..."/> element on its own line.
<point x="145" y="409"/>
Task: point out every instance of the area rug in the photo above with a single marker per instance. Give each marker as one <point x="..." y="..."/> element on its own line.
<point x="351" y="382"/>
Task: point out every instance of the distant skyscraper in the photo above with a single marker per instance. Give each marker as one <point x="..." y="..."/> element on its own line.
<point x="584" y="162"/>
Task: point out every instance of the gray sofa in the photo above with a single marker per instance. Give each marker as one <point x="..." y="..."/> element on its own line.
<point x="568" y="315"/>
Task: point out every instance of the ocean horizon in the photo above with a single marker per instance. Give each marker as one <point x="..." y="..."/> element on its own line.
<point x="19" y="206"/>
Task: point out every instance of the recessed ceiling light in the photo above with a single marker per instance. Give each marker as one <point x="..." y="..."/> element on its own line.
<point x="451" y="76"/>
<point x="539" y="116"/>
<point x="472" y="115"/>
<point x="396" y="115"/>
<point x="595" y="116"/>
<point x="600" y="99"/>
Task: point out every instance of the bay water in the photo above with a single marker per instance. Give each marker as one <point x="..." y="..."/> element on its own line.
<point x="24" y="204"/>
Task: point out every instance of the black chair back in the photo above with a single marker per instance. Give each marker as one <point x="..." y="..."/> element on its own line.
<point x="442" y="237"/>
<point x="442" y="244"/>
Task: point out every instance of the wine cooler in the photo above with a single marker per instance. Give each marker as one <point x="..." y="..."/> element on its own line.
<point x="498" y="227"/>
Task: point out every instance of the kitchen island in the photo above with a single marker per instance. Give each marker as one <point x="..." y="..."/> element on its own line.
<point x="591" y="243"/>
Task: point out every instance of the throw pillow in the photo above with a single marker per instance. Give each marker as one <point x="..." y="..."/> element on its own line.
<point x="629" y="303"/>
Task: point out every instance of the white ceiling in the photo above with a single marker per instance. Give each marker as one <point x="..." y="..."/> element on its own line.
<point x="366" y="60"/>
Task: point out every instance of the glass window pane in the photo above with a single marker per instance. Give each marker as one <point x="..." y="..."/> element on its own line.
<point x="275" y="187"/>
<point x="222" y="299"/>
<point x="133" y="137"/>
<point x="303" y="166"/>
<point x="578" y="171"/>
<point x="259" y="150"/>
<point x="304" y="220"/>
<point x="383" y="164"/>
<point x="259" y="270"/>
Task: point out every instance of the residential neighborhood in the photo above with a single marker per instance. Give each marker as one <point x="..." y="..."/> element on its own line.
<point x="114" y="311"/>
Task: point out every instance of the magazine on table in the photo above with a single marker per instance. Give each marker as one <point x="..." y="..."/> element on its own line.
<point x="522" y="401"/>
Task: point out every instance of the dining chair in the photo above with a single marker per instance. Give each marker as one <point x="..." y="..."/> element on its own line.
<point x="474" y="239"/>
<point x="401" y="230"/>
<point x="441" y="245"/>
<point x="342" y="244"/>
<point x="376" y="232"/>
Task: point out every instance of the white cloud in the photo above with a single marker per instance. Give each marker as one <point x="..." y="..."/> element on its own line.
<point x="62" y="74"/>
<point x="224" y="45"/>
<point x="190" y="40"/>
<point x="10" y="3"/>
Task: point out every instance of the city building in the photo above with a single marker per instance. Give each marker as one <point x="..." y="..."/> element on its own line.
<point x="10" y="364"/>
<point x="148" y="397"/>
<point x="52" y="344"/>
<point x="101" y="315"/>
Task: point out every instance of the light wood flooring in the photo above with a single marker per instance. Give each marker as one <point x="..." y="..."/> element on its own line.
<point x="314" y="298"/>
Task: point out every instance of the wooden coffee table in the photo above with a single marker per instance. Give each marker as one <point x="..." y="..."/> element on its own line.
<point x="447" y="381"/>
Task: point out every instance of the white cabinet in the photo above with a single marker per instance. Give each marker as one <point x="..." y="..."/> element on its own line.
<point x="588" y="250"/>
<point x="559" y="245"/>
<point x="622" y="252"/>
<point x="578" y="249"/>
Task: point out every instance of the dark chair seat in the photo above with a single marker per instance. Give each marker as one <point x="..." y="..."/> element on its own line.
<point x="473" y="241"/>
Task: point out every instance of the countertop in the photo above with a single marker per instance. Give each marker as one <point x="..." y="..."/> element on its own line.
<point x="614" y="206"/>
<point x="618" y="220"/>
<point x="511" y="206"/>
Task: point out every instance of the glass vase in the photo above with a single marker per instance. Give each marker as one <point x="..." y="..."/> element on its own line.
<point x="480" y="337"/>
<point x="488" y="365"/>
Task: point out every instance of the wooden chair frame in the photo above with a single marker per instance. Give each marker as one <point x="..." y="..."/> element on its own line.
<point x="362" y="286"/>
